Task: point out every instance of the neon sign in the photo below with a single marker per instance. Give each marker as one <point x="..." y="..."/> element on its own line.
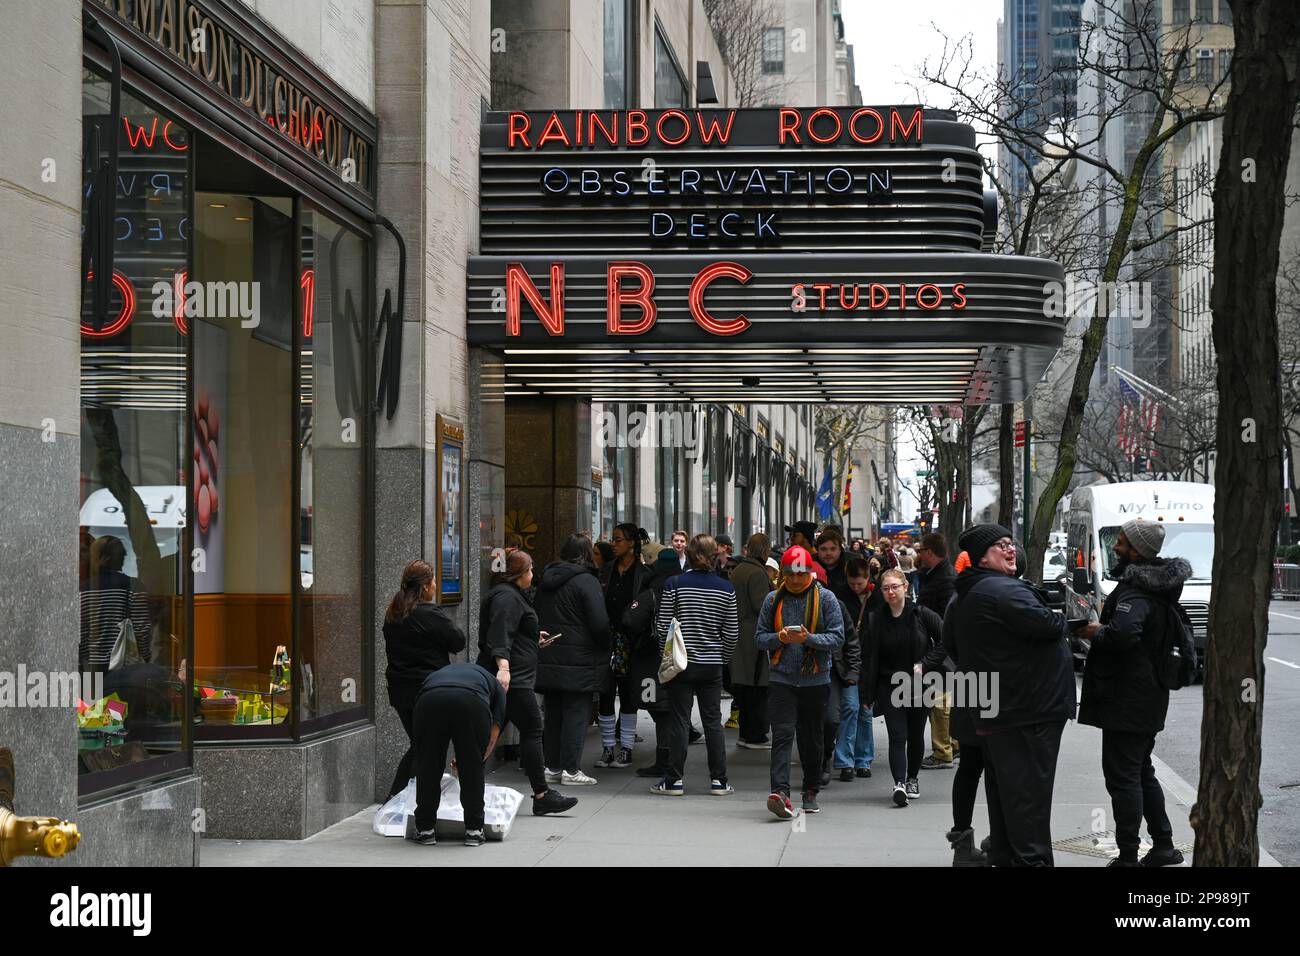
<point x="124" y="316"/>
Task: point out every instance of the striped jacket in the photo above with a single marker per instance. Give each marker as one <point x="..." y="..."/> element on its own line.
<point x="108" y="599"/>
<point x="705" y="607"/>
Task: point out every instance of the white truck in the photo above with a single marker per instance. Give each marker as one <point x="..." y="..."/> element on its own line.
<point x="1093" y="523"/>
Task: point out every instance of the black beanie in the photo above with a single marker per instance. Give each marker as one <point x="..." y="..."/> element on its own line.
<point x="977" y="540"/>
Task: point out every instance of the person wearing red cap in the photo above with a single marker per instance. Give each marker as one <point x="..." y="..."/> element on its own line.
<point x="800" y="626"/>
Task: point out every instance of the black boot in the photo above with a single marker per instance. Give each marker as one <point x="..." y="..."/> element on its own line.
<point x="660" y="766"/>
<point x="964" y="852"/>
<point x="1163" y="854"/>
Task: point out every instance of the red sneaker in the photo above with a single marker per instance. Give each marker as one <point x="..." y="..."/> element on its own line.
<point x="779" y="804"/>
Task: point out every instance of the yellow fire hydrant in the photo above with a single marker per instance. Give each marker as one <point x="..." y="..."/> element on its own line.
<point x="29" y="836"/>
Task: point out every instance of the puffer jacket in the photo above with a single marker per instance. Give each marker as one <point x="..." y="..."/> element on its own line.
<point x="570" y="603"/>
<point x="789" y="669"/>
<point x="1120" y="690"/>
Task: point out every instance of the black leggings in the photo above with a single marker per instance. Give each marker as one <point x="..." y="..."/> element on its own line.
<point x="629" y="702"/>
<point x="523" y="711"/>
<point x="906" y="728"/>
<point x="406" y="767"/>
<point x="966" y="784"/>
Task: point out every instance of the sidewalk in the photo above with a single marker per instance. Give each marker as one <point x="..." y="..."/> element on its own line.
<point x="620" y="823"/>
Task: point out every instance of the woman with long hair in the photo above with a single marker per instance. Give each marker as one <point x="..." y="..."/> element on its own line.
<point x="571" y="605"/>
<point x="906" y="641"/>
<point x="419" y="638"/>
<point x="509" y="640"/>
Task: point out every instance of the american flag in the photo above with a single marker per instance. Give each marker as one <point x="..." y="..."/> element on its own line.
<point x="1139" y="418"/>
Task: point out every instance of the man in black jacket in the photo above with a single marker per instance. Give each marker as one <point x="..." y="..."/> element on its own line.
<point x="1121" y="694"/>
<point x="1005" y="633"/>
<point x="935" y="591"/>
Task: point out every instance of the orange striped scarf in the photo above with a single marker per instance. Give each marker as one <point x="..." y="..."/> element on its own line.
<point x="811" y="618"/>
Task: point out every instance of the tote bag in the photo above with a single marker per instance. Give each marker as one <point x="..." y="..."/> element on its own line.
<point x="673" y="661"/>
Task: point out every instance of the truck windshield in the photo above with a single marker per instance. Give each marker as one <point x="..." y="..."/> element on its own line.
<point x="1194" y="542"/>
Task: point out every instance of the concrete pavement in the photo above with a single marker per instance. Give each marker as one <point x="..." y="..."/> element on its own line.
<point x="620" y="823"/>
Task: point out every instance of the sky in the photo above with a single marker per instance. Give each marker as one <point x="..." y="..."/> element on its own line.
<point x="890" y="41"/>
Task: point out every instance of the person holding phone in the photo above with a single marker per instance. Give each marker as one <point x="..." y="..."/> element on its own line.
<point x="800" y="626"/>
<point x="509" y="637"/>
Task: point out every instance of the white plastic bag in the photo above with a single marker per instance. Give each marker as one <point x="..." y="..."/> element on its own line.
<point x="500" y="806"/>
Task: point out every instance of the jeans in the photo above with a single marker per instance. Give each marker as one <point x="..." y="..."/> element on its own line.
<point x="797" y="712"/>
<point x="1019" y="775"/>
<point x="565" y="729"/>
<point x="1134" y="790"/>
<point x="703" y="683"/>
<point x="522" y="711"/>
<point x="458" y="717"/>
<point x="753" y="713"/>
<point x="966" y="784"/>
<point x="856" y="746"/>
<point x="906" y="728"/>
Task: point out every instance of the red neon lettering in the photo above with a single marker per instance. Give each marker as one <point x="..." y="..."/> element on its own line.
<point x="686" y="127"/>
<point x="849" y="306"/>
<point x="839" y="126"/>
<point x="167" y="139"/>
<point x="938" y="296"/>
<point x="708" y="133"/>
<point x="123" y="317"/>
<point x="518" y="282"/>
<point x="636" y="121"/>
<point x="308" y="283"/>
<point x="610" y="134"/>
<point x="822" y="288"/>
<point x="902" y="297"/>
<point x="853" y="126"/>
<point x="792" y="127"/>
<point x="178" y="313"/>
<point x="874" y="302"/>
<point x="895" y="122"/>
<point x="618" y="297"/>
<point x="729" y="270"/>
<point x="959" y="296"/>
<point x="577" y="128"/>
<point x="140" y="134"/>
<point x="553" y="129"/>
<point x="517" y="129"/>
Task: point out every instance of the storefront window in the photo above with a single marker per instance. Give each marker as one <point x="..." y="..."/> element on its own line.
<point x="330" y="327"/>
<point x="134" y="445"/>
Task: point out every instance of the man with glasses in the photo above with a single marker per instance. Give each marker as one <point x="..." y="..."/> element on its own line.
<point x="1004" y="632"/>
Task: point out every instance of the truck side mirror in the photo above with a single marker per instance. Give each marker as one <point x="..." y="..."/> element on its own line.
<point x="1080" y="583"/>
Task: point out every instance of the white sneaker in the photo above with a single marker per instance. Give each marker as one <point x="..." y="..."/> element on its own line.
<point x="578" y="779"/>
<point x="746" y="745"/>
<point x="552" y="776"/>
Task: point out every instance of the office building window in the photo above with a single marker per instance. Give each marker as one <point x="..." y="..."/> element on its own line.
<point x="670" y="83"/>
<point x="620" y="49"/>
<point x="1225" y="12"/>
<point x="1205" y="67"/>
<point x="774" y="50"/>
<point x="1225" y="64"/>
<point x="1182" y="12"/>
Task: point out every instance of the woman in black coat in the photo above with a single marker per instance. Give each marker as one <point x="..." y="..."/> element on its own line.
<point x="571" y="605"/>
<point x="419" y="639"/>
<point x="905" y="639"/>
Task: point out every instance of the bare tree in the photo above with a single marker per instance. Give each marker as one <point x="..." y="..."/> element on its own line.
<point x="837" y="431"/>
<point x="740" y="28"/>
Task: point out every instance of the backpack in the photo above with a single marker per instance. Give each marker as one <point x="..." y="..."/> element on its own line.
<point x="1175" y="659"/>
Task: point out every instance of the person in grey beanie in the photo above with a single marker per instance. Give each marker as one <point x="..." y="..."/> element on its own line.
<point x="1003" y="630"/>
<point x="1121" y="692"/>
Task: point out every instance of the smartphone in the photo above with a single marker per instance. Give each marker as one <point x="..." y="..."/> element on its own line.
<point x="1078" y="625"/>
<point x="550" y="639"/>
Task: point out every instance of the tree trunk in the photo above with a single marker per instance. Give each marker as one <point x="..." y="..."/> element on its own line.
<point x="1007" y="466"/>
<point x="1248" y="214"/>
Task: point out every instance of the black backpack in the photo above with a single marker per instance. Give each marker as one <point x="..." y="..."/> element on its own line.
<point x="1175" y="659"/>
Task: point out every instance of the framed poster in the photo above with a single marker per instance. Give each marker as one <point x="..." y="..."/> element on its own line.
<point x="450" y="530"/>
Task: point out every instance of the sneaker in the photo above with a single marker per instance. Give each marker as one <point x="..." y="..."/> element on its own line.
<point x="552" y="801"/>
<point x="913" y="788"/>
<point x="900" y="795"/>
<point x="578" y="779"/>
<point x="1163" y="856"/>
<point x="826" y="778"/>
<point x="624" y="758"/>
<point x="474" y="838"/>
<point x="422" y="837"/>
<point x="932" y="763"/>
<point x="779" y="804"/>
<point x="606" y="758"/>
<point x="846" y="775"/>
<point x="733" y="722"/>
<point x="720" y="788"/>
<point x="750" y="745"/>
<point x="810" y="802"/>
<point x="639" y="739"/>
<point x="696" y="737"/>
<point x="552" y="776"/>
<point x="863" y="772"/>
<point x="1120" y="861"/>
<point x="668" y="788"/>
<point x="654" y="770"/>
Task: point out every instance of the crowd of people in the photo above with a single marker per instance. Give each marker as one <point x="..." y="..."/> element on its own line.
<point x="811" y="643"/>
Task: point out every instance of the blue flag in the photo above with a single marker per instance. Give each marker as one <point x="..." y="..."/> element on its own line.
<point x="824" y="494"/>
